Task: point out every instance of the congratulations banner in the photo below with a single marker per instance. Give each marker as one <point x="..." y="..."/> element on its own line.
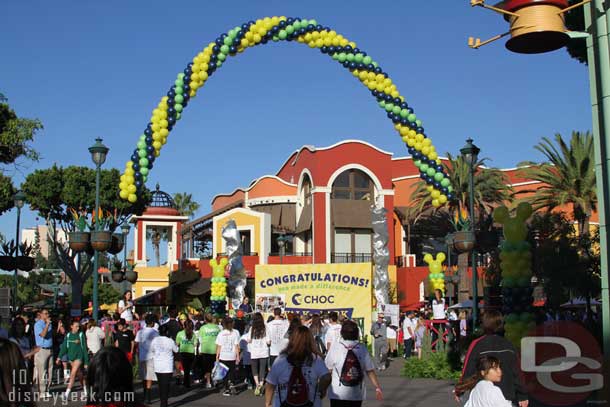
<point x="316" y="288"/>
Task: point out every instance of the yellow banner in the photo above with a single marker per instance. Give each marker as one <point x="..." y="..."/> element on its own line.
<point x="315" y="288"/>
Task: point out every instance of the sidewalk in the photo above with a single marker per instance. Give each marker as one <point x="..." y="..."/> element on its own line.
<point x="397" y="391"/>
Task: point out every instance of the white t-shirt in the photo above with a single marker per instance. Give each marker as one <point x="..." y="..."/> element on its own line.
<point x="333" y="334"/>
<point x="144" y="338"/>
<point x="485" y="394"/>
<point x="334" y="362"/>
<point x="259" y="348"/>
<point x="279" y="376"/>
<point x="95" y="336"/>
<point x="276" y="330"/>
<point x="162" y="350"/>
<point x="127" y="314"/>
<point x="391" y="334"/>
<point x="228" y="340"/>
<point x="438" y="309"/>
<point x="407" y="323"/>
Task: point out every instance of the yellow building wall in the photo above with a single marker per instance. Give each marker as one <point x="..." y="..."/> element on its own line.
<point x="150" y="278"/>
<point x="241" y="220"/>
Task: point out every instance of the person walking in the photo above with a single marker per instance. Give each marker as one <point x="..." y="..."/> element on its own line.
<point x="110" y="380"/>
<point x="144" y="338"/>
<point x="299" y="375"/>
<point x="492" y="344"/>
<point x="187" y="342"/>
<point x="333" y="331"/>
<point x="124" y="339"/>
<point x="126" y="307"/>
<point x="348" y="363"/>
<point x="258" y="345"/>
<point x="207" y="347"/>
<point x="95" y="337"/>
<point x="420" y="331"/>
<point x="318" y="330"/>
<point x="277" y="334"/>
<point x="380" y="341"/>
<point x="43" y="363"/>
<point x="227" y="352"/>
<point x="483" y="392"/>
<point x="75" y="346"/>
<point x="408" y="334"/>
<point x="162" y="349"/>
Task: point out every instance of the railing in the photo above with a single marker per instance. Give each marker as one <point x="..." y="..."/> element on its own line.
<point x="351" y="258"/>
<point x="243" y="254"/>
<point x="299" y="254"/>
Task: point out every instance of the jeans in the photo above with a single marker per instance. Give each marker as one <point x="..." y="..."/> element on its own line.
<point x="164" y="380"/>
<point x="381" y="352"/>
<point x="408" y="347"/>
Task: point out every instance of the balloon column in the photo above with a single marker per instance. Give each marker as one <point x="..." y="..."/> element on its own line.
<point x="516" y="265"/>
<point x="273" y="29"/>
<point x="436" y="276"/>
<point x="219" y="287"/>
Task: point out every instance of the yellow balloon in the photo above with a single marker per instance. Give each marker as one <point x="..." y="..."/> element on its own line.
<point x="132" y="198"/>
<point x="435" y="194"/>
<point x="131" y="188"/>
<point x="436" y="203"/>
<point x="442" y="199"/>
<point x="124" y="194"/>
<point x="418" y="145"/>
<point x="129" y="171"/>
<point x="122" y="185"/>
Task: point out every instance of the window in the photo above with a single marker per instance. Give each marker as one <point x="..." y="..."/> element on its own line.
<point x="306" y="191"/>
<point x="352" y="246"/>
<point x="353" y="185"/>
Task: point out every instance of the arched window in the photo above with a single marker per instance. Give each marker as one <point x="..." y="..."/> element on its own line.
<point x="353" y="185"/>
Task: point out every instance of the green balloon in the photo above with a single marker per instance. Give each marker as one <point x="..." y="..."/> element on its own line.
<point x="366" y="60"/>
<point x="143" y="137"/>
<point x="282" y="34"/>
<point x="224" y="49"/>
<point x="144" y="171"/>
<point x="297" y="24"/>
<point x="179" y="98"/>
<point x="181" y="75"/>
<point x="142" y="152"/>
<point x="396" y="110"/>
<point x="231" y="32"/>
<point x="143" y="162"/>
<point x="178" y="107"/>
<point x="290" y="29"/>
<point x="411" y="117"/>
<point x="389" y="107"/>
<point x="424" y="167"/>
<point x="336" y="56"/>
<point x="358" y="58"/>
<point x="144" y="177"/>
<point x="449" y="188"/>
<point x="221" y="57"/>
<point x="228" y="41"/>
<point x="178" y="90"/>
<point x="178" y="116"/>
<point x="179" y="82"/>
<point x="350" y="57"/>
<point x="431" y="171"/>
<point x="382" y="104"/>
<point x="439" y="176"/>
<point x="141" y="144"/>
<point x="404" y="113"/>
<point x="445" y="182"/>
<point x="219" y="64"/>
<point x="417" y="163"/>
<point x="342" y="57"/>
<point x="418" y="123"/>
<point x="313" y="22"/>
<point x="375" y="64"/>
<point x="275" y="38"/>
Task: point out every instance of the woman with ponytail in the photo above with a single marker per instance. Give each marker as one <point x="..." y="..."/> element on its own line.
<point x="187" y="343"/>
<point x="483" y="391"/>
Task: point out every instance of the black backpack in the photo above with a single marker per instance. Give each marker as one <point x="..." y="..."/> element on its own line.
<point x="351" y="372"/>
<point x="297" y="390"/>
<point x="320" y="344"/>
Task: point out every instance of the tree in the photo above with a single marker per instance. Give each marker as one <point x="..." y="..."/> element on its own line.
<point x="107" y="294"/>
<point x="568" y="178"/>
<point x="54" y="191"/>
<point x="157" y="234"/>
<point x="185" y="204"/>
<point x="16" y="135"/>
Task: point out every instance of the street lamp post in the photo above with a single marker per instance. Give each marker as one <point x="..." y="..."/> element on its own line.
<point x="98" y="155"/>
<point x="19" y="200"/>
<point x="470" y="154"/>
<point x="125" y="229"/>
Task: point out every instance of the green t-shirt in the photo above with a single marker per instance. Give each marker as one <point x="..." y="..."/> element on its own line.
<point x="207" y="338"/>
<point x="185" y="344"/>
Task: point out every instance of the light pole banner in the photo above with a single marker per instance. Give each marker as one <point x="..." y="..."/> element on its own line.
<point x="317" y="288"/>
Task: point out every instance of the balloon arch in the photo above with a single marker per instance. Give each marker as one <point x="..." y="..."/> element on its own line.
<point x="362" y="66"/>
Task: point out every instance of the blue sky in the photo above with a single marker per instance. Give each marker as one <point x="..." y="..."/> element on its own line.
<point x="98" y="68"/>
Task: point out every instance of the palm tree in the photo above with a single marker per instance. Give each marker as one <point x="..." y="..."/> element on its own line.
<point x="490" y="190"/>
<point x="185" y="204"/>
<point x="157" y="234"/>
<point x="568" y="178"/>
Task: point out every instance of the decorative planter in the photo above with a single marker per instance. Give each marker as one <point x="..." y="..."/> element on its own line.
<point x="117" y="243"/>
<point x="463" y="241"/>
<point x="7" y="263"/>
<point x="25" y="263"/>
<point x="131" y="276"/>
<point x="118" y="276"/>
<point x="101" y="240"/>
<point x="78" y="240"/>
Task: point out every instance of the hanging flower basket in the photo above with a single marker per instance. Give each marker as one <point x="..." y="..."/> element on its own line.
<point x="7" y="263"/>
<point x="117" y="276"/>
<point x="131" y="276"/>
<point x="25" y="263"/>
<point x="463" y="241"/>
<point x="101" y="240"/>
<point x="117" y="243"/>
<point x="78" y="240"/>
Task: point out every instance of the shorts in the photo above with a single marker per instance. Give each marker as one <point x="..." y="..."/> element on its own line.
<point x="147" y="370"/>
<point x="65" y="359"/>
<point x="207" y="362"/>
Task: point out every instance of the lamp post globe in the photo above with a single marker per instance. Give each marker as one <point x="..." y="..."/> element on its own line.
<point x="98" y="152"/>
<point x="470" y="155"/>
<point x="19" y="201"/>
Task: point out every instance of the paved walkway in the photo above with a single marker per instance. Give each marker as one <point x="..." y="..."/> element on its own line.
<point x="397" y="391"/>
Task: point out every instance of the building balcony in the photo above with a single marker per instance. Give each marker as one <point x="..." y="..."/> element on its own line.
<point x="351" y="258"/>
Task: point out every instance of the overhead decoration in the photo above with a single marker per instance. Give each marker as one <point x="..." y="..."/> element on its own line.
<point x="381" y="255"/>
<point x="436" y="277"/>
<point x="218" y="287"/>
<point x="516" y="265"/>
<point x="237" y="272"/>
<point x="170" y="108"/>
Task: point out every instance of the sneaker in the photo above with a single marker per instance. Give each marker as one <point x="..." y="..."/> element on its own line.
<point x="250" y="386"/>
<point x="66" y="394"/>
<point x="208" y="385"/>
<point x="227" y="393"/>
<point x="257" y="390"/>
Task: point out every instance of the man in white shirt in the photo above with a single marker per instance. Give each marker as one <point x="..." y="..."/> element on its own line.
<point x="350" y="393"/>
<point x="408" y="331"/>
<point x="144" y="338"/>
<point x="333" y="333"/>
<point x="277" y="331"/>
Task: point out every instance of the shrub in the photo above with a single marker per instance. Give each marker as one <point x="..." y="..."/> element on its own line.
<point x="432" y="365"/>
